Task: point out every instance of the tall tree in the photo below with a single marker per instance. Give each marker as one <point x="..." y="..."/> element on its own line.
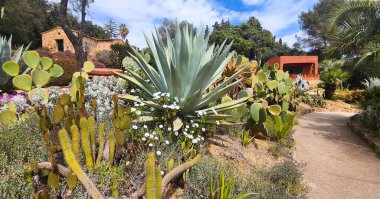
<point x="92" y="30"/>
<point x="357" y="39"/>
<point x="75" y="39"/>
<point x="111" y="29"/>
<point x="123" y="30"/>
<point x="207" y="30"/>
<point x="170" y="26"/>
<point x="24" y="20"/>
<point x="359" y="31"/>
<point x="315" y="23"/>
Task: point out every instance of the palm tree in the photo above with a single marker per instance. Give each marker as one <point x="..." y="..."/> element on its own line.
<point x="359" y="35"/>
<point x="332" y="76"/>
<point x="123" y="30"/>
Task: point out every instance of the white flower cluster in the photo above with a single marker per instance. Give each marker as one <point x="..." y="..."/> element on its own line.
<point x="173" y="106"/>
<point x="54" y="93"/>
<point x="101" y="89"/>
<point x="19" y="101"/>
<point x="38" y="97"/>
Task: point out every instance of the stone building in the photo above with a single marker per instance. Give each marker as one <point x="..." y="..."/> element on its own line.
<point x="56" y="40"/>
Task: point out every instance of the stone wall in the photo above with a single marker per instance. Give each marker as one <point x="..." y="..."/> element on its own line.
<point x="91" y="45"/>
<point x="49" y="40"/>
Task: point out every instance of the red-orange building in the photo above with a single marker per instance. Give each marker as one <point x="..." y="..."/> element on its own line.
<point x="307" y="66"/>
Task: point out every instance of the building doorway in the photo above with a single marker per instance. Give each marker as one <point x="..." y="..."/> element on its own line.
<point x="293" y="69"/>
<point x="60" y="46"/>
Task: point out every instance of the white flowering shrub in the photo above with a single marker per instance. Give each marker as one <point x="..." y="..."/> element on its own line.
<point x="371" y="83"/>
<point x="160" y="132"/>
<point x="101" y="89"/>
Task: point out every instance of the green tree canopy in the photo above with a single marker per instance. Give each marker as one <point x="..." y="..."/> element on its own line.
<point x="250" y="40"/>
<point x="111" y="29"/>
<point x="24" y="20"/>
<point x="315" y="23"/>
<point x="170" y="25"/>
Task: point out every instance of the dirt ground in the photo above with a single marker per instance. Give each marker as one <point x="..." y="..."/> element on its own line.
<point x="333" y="106"/>
<point x="338" y="163"/>
<point x="244" y="158"/>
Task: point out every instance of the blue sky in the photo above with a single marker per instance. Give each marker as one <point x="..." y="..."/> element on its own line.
<point x="278" y="16"/>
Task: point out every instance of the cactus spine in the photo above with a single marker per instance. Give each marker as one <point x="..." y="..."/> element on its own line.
<point x="85" y="137"/>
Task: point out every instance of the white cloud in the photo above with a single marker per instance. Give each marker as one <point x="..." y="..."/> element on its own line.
<point x="143" y="15"/>
<point x="253" y="2"/>
<point x="290" y="39"/>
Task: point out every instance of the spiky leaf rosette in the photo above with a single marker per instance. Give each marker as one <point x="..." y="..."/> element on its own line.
<point x="186" y="67"/>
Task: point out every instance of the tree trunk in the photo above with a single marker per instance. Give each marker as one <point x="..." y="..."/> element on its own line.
<point x="330" y="90"/>
<point x="76" y="40"/>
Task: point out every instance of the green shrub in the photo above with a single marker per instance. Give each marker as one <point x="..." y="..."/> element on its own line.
<point x="283" y="180"/>
<point x="104" y="57"/>
<point x="117" y="54"/>
<point x="67" y="61"/>
<point x="349" y="96"/>
<point x="280" y="127"/>
<point x="19" y="144"/>
<point x="313" y="100"/>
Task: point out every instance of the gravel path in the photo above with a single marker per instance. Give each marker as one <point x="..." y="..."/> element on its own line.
<point x="338" y="163"/>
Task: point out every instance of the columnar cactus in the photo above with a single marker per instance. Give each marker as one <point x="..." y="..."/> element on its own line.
<point x="153" y="178"/>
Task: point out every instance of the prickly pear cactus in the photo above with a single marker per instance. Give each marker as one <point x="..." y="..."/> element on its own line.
<point x="42" y="69"/>
<point x="272" y="95"/>
<point x="5" y="56"/>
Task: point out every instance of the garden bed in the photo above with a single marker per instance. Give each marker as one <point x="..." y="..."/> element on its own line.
<point x="366" y="134"/>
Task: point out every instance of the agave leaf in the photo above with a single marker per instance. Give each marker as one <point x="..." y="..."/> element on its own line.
<point x="226" y="105"/>
<point x="217" y="95"/>
<point x="192" y="101"/>
<point x="149" y="71"/>
<point x="162" y="58"/>
<point x="138" y="81"/>
<point x="220" y="86"/>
